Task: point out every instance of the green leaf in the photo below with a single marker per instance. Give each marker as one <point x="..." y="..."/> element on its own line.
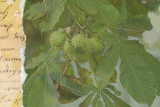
<point x="43" y="57"/>
<point x="117" y="101"/>
<point x="40" y="91"/>
<point x="108" y="37"/>
<point x="76" y="12"/>
<point x="107" y="101"/>
<point x="135" y="7"/>
<point x="36" y="11"/>
<point x="88" y="100"/>
<point x="109" y="14"/>
<point x="151" y="61"/>
<point x="84" y="74"/>
<point x="116" y="92"/>
<point x="94" y="62"/>
<point x="41" y="82"/>
<point x="121" y="6"/>
<point x="155" y="67"/>
<point x="26" y="89"/>
<point x="135" y="26"/>
<point x="107" y="67"/>
<point x="113" y="78"/>
<point x="53" y="16"/>
<point x="70" y="71"/>
<point x="97" y="26"/>
<point x="74" y="85"/>
<point x="90" y="6"/>
<point x="64" y="20"/>
<point x="36" y="61"/>
<point x="136" y="76"/>
<point x="152" y="5"/>
<point x="66" y="96"/>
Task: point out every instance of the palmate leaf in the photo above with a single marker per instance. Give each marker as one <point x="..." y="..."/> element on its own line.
<point x="137" y="77"/>
<point x="50" y="68"/>
<point x="39" y="90"/>
<point x="53" y="16"/>
<point x="107" y="67"/>
<point x="103" y="97"/>
<point x="141" y="65"/>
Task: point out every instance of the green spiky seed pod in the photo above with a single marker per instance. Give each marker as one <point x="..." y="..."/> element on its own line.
<point x="82" y="57"/>
<point x="97" y="45"/>
<point x="68" y="48"/>
<point x="87" y="48"/>
<point x="57" y="39"/>
<point x="78" y="41"/>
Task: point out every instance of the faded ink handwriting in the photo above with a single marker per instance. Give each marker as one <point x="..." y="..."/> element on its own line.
<point x="4" y="13"/>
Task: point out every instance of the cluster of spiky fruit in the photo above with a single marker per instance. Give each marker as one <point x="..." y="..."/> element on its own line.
<point x="79" y="48"/>
<point x="82" y="48"/>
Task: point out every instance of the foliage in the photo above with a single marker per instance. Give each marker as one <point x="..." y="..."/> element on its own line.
<point x="77" y="33"/>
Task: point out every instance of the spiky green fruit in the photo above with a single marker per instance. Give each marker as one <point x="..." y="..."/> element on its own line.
<point x="68" y="48"/>
<point x="97" y="45"/>
<point x="78" y="41"/>
<point x="87" y="48"/>
<point x="57" y="39"/>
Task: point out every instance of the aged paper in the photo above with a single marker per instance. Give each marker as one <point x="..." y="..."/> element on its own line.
<point x="11" y="40"/>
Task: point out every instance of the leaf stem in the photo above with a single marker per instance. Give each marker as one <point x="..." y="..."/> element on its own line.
<point x="126" y="29"/>
<point x="78" y="22"/>
<point x="66" y="68"/>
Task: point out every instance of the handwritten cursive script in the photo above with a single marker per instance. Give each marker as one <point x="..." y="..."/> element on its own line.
<point x="11" y="41"/>
<point x="4" y="13"/>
